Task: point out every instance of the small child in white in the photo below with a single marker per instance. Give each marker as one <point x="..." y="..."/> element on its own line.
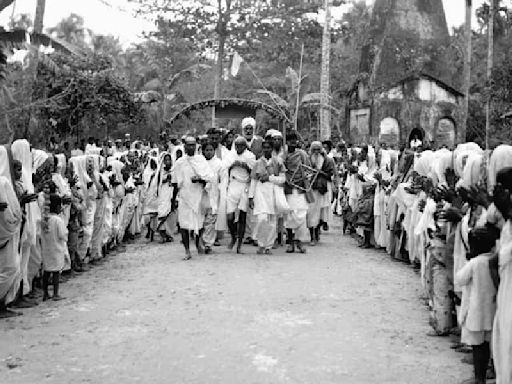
<point x="478" y="299"/>
<point x="53" y="243"/>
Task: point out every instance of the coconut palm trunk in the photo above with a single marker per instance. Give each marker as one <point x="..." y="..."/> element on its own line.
<point x="31" y="124"/>
<point x="467" y="67"/>
<point x="490" y="66"/>
<point x="325" y="113"/>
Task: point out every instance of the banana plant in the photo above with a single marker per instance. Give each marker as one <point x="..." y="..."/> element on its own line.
<point x="296" y="89"/>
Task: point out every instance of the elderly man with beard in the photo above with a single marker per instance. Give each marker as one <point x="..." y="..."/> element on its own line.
<point x="192" y="173"/>
<point x="254" y="142"/>
<point x="255" y="145"/>
<point x="322" y="190"/>
<point x="239" y="167"/>
<point x="295" y="187"/>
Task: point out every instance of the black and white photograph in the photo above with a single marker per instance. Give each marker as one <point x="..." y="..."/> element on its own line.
<point x="255" y="191"/>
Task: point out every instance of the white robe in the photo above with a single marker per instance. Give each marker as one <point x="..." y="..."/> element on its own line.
<point x="21" y="152"/>
<point x="502" y="332"/>
<point x="190" y="212"/>
<point x="265" y="209"/>
<point x="10" y="259"/>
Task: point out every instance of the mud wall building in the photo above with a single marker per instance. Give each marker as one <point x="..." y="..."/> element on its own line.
<point x="404" y="87"/>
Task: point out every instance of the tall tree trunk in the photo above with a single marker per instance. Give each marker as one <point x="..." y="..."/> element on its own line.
<point x="325" y="91"/>
<point x="222" y="24"/>
<point x="490" y="66"/>
<point x="32" y="68"/>
<point x="467" y="68"/>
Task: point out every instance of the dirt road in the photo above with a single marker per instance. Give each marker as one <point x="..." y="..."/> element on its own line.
<point x="334" y="315"/>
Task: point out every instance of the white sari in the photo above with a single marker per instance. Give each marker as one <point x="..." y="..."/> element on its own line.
<point x="10" y="225"/>
<point x="21" y="152"/>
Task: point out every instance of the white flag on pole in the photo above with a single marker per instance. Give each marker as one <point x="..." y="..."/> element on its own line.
<point x="236" y="62"/>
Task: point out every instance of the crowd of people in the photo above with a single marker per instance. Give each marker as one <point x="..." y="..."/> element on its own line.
<point x="63" y="210"/>
<point x="447" y="213"/>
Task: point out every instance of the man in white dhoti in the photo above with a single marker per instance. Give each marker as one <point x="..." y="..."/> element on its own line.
<point x="211" y="196"/>
<point x="295" y="190"/>
<point x="254" y="145"/>
<point x="192" y="174"/>
<point x="222" y="154"/>
<point x="239" y="172"/>
<point x="267" y="175"/>
<point x="322" y="191"/>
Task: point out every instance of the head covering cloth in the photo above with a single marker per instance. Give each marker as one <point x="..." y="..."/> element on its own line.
<point x="248" y="121"/>
<point x="501" y="158"/>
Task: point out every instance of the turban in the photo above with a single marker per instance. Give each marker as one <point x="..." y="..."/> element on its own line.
<point x="316" y="145"/>
<point x="190" y="140"/>
<point x="241" y="140"/>
<point x="270" y="132"/>
<point x="277" y="134"/>
<point x="248" y="121"/>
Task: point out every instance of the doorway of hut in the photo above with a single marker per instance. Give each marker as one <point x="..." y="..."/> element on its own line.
<point x="416" y="138"/>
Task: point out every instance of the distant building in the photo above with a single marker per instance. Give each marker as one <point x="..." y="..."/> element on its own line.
<point x="404" y="89"/>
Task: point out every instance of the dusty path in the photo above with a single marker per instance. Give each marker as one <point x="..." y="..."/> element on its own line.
<point x="334" y="315"/>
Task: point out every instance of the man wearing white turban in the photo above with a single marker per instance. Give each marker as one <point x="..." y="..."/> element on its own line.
<point x="254" y="142"/>
<point x="255" y="145"/>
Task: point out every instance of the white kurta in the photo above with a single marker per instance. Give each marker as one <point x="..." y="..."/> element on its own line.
<point x="239" y="182"/>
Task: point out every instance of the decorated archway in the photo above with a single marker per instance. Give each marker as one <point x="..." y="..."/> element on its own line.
<point x="233" y="108"/>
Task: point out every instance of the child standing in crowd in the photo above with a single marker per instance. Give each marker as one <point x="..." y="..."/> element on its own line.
<point x="478" y="299"/>
<point x="53" y="243"/>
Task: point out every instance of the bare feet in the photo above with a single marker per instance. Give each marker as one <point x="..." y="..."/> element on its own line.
<point x="300" y="248"/>
<point x="188" y="256"/>
<point x="232" y="244"/>
<point x="7" y="313"/>
<point x="24" y="303"/>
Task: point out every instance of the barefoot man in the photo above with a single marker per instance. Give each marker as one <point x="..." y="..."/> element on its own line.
<point x="191" y="174"/>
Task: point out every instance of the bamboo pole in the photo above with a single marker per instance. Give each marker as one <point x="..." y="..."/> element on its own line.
<point x="299" y="82"/>
<point x="490" y="65"/>
<point x="467" y="67"/>
<point x="325" y="112"/>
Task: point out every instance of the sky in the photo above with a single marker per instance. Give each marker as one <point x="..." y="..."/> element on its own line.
<point x="118" y="19"/>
